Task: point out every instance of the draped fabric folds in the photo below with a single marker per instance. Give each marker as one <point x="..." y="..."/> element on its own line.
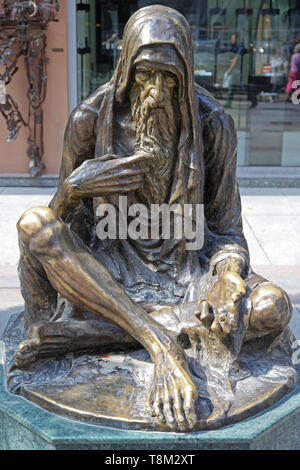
<point x="204" y="172"/>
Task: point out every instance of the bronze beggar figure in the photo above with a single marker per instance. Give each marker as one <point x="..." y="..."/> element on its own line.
<point x="144" y="333"/>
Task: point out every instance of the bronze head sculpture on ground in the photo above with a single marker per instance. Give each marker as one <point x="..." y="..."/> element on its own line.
<point x="214" y="333"/>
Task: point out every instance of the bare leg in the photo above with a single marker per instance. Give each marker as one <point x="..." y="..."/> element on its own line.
<point x="71" y="331"/>
<point x="55" y="328"/>
<point x="39" y="295"/>
<point x="271" y="310"/>
<point x="77" y="276"/>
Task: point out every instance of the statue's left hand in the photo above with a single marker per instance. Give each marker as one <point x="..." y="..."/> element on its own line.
<point x="221" y="310"/>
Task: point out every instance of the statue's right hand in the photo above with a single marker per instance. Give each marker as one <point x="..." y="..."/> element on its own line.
<point x="110" y="175"/>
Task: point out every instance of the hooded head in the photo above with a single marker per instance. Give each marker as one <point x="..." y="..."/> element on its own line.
<point x="162" y="35"/>
<point x="155" y="25"/>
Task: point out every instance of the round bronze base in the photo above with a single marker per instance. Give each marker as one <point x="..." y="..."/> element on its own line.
<point x="111" y="390"/>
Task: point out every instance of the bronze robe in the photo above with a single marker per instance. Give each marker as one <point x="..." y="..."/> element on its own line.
<point x="204" y="171"/>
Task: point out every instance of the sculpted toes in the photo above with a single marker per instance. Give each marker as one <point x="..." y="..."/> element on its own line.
<point x="27" y="352"/>
<point x="29" y="345"/>
<point x="178" y="409"/>
<point x="157" y="406"/>
<point x="189" y="407"/>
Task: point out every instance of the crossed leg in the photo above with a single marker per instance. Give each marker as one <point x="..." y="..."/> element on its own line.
<point x="60" y="262"/>
<point x="55" y="260"/>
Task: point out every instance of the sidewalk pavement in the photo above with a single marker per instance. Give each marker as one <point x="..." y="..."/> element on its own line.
<point x="271" y="219"/>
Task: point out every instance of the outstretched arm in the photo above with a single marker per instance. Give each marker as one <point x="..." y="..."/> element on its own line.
<point x="225" y="242"/>
<point x="226" y="246"/>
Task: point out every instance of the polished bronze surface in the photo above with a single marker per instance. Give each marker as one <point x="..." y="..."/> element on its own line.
<point x="215" y="332"/>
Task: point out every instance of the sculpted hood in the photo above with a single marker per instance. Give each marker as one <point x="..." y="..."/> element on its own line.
<point x="159" y="25"/>
<point x="148" y="28"/>
<point x="164" y="35"/>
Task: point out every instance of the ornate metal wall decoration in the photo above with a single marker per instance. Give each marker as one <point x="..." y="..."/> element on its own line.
<point x="23" y="26"/>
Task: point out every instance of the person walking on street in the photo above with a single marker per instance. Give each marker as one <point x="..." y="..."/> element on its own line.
<point x="294" y="73"/>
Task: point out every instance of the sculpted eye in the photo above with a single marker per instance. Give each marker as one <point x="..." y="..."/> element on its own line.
<point x="171" y="79"/>
<point x="142" y="75"/>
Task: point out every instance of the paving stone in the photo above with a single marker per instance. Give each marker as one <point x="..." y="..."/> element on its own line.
<point x="279" y="237"/>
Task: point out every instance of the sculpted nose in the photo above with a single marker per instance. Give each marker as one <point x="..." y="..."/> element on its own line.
<point x="157" y="91"/>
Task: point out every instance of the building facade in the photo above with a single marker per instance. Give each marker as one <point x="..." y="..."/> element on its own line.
<point x="242" y="53"/>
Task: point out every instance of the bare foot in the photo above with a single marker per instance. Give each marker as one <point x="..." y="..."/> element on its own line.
<point x="173" y="393"/>
<point x="29" y="349"/>
<point x="27" y="353"/>
<point x="43" y="339"/>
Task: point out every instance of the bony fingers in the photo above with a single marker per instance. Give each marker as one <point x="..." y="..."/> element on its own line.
<point x="115" y="189"/>
<point x="198" y="308"/>
<point x="138" y="171"/>
<point x="207" y="315"/>
<point x="168" y="413"/>
<point x="123" y="173"/>
<point x="217" y="330"/>
<point x="120" y="188"/>
<point x="120" y="180"/>
<point x="142" y="156"/>
<point x="106" y="157"/>
<point x="130" y="180"/>
<point x="130" y="187"/>
<point x="119" y="173"/>
<point x="133" y="160"/>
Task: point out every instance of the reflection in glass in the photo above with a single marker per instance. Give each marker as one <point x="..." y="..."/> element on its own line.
<point x="242" y="53"/>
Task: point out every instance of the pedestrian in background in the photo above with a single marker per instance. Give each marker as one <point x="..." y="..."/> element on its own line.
<point x="294" y="73"/>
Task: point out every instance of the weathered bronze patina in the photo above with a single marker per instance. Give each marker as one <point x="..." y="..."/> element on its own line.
<point x="214" y="333"/>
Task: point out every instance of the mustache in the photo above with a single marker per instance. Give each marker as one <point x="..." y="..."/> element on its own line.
<point x="138" y="97"/>
<point x="163" y="112"/>
<point x="153" y="118"/>
<point x="156" y="133"/>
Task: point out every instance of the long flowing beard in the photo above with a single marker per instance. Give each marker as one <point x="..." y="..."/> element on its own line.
<point x="156" y="134"/>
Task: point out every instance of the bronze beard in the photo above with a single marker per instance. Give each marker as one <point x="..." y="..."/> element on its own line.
<point x="157" y="135"/>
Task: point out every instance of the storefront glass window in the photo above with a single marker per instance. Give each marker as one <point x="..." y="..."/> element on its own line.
<point x="243" y="53"/>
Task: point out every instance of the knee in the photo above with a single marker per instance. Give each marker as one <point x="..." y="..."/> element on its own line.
<point x="271" y="308"/>
<point x="33" y="221"/>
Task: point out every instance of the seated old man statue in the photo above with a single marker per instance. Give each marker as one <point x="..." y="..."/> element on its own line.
<point x="155" y="136"/>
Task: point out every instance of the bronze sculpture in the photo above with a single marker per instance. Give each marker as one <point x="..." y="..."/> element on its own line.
<point x="216" y="332"/>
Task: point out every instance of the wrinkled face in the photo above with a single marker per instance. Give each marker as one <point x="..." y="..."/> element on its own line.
<point x="154" y="107"/>
<point x="156" y="84"/>
<point x="154" y="94"/>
